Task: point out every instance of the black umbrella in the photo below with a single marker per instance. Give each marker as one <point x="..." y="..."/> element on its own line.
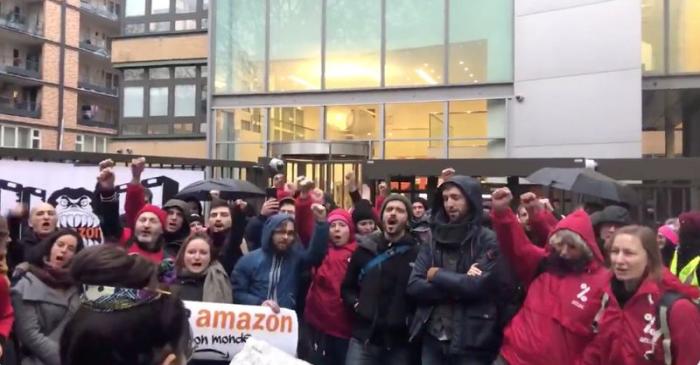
<point x="229" y="189"/>
<point x="584" y="181"/>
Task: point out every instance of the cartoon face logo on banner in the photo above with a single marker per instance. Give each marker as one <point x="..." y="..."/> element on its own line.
<point x="74" y="210"/>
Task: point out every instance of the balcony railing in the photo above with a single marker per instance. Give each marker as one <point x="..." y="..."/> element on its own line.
<point x="99" y="10"/>
<point x="86" y="85"/>
<point x="29" y="69"/>
<point x="88" y="46"/>
<point x="19" y="23"/>
<point x="28" y="109"/>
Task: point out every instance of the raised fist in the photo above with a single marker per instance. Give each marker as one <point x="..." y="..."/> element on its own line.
<point x="531" y="202"/>
<point x="241" y="204"/>
<point x="214" y="193"/>
<point x="106" y="178"/>
<point x="447" y="173"/>
<point x="319" y="212"/>
<point x="137" y="166"/>
<point x="500" y="200"/>
<point x="108" y="163"/>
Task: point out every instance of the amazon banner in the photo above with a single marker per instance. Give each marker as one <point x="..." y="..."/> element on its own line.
<point x="70" y="189"/>
<point x="219" y="331"/>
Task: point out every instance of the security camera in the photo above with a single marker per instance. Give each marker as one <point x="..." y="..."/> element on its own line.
<point x="276" y="165"/>
<point x="519" y="98"/>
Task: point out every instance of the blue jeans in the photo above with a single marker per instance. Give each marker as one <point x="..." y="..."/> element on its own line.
<point x="361" y="354"/>
<point x="435" y="353"/>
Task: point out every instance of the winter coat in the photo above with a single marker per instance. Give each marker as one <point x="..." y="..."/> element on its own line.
<point x="325" y="310"/>
<point x="41" y="314"/>
<point x="382" y="308"/>
<point x="476" y="330"/>
<point x="18" y="248"/>
<point x="211" y="286"/>
<point x="173" y="241"/>
<point x="7" y="314"/>
<point x="251" y="277"/>
<point x="554" y="324"/>
<point x="304" y="219"/>
<point x="627" y="332"/>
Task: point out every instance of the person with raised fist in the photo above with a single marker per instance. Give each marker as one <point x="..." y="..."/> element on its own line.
<point x="269" y="276"/>
<point x="564" y="282"/>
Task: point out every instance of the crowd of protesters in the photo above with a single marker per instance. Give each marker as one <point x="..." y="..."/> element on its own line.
<point x="389" y="281"/>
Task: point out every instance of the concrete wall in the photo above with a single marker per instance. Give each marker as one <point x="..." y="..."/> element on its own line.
<point x="578" y="67"/>
<point x="196" y="148"/>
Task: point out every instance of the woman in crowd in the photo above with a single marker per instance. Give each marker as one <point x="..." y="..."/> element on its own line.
<point x="667" y="239"/>
<point x="200" y="277"/>
<point x="632" y="327"/>
<point x="45" y="298"/>
<point x="7" y="316"/>
<point x="123" y="319"/>
<point x="329" y="320"/>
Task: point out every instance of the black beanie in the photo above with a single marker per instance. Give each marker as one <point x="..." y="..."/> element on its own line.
<point x="363" y="211"/>
<point x="422" y="202"/>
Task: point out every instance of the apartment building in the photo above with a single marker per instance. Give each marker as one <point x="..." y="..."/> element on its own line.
<point x="58" y="89"/>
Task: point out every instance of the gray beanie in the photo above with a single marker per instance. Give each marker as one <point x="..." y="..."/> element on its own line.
<point x="402" y="199"/>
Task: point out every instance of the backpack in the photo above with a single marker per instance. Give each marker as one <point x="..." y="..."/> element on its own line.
<point x="663" y="315"/>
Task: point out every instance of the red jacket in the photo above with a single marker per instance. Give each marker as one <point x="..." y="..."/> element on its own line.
<point x="304" y="219"/>
<point x="7" y="314"/>
<point x="325" y="310"/>
<point x="554" y="325"/>
<point x="627" y="333"/>
<point x="134" y="249"/>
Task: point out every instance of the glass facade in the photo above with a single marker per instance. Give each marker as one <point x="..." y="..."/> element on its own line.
<point x="455" y="129"/>
<point x="300" y="45"/>
<point x="673" y="26"/>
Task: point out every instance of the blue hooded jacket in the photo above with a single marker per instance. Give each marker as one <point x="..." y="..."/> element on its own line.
<point x="264" y="274"/>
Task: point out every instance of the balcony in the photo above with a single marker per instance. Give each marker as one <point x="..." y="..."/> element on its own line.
<point x="28" y="109"/>
<point x="86" y="85"/>
<point x="30" y="69"/>
<point x="13" y="21"/>
<point x="95" y="49"/>
<point x="99" y="10"/>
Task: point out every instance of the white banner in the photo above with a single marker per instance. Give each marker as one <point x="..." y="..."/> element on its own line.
<point x="70" y="188"/>
<point x="220" y="331"/>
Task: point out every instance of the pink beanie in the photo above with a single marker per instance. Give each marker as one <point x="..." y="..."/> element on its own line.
<point x="669" y="233"/>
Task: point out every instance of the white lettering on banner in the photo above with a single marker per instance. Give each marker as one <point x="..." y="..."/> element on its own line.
<point x="221" y="330"/>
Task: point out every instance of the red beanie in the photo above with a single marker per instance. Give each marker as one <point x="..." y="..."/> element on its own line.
<point x="160" y="213"/>
<point x="343" y="215"/>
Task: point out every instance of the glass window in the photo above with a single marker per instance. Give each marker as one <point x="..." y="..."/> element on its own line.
<point x="135" y="28"/>
<point x="160" y="6"/>
<point x="205" y="23"/>
<point x="89" y="144"/>
<point x="159" y="73"/>
<point x="79" y="143"/>
<point x="413" y="149"/>
<point x="185" y="100"/>
<point x="415" y="37"/>
<point x="9" y="137"/>
<point x="182" y="128"/>
<point x="354" y="122"/>
<point x="481" y="41"/>
<point x="353" y="44"/>
<point x="185" y="6"/>
<point x="203" y="71"/>
<point x="185" y="72"/>
<point x="240" y="46"/>
<point x="205" y="4"/>
<point x="477" y="129"/>
<point x="189" y="24"/>
<point x="419" y="120"/>
<point x="684" y="36"/>
<point x="652" y="36"/>
<point x="158" y="129"/>
<point x="294" y="123"/>
<point x="133" y="74"/>
<point x="295" y="45"/>
<point x="135" y="8"/>
<point x="158" y="105"/>
<point x="133" y="102"/>
<point x="159" y="26"/>
<point x="132" y="129"/>
<point x="23" y="137"/>
<point x="240" y="151"/>
<point x="36" y="138"/>
<point x="244" y="125"/>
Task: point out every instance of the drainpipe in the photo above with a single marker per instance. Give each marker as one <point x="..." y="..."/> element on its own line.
<point x="61" y="75"/>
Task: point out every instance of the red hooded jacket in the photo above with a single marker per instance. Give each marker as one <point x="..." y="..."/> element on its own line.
<point x="325" y="310"/>
<point x="554" y="325"/>
<point x="7" y="314"/>
<point x="627" y="333"/>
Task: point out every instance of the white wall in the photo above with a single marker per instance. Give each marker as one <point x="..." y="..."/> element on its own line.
<point x="578" y="67"/>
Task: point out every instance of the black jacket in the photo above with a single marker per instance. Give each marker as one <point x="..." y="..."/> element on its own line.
<point x="383" y="309"/>
<point x="18" y="249"/>
<point x="477" y="329"/>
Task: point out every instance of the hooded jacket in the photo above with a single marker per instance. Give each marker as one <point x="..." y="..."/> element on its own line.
<point x="265" y="274"/>
<point x="324" y="307"/>
<point x="173" y="241"/>
<point x="555" y="323"/>
<point x="625" y="336"/>
<point x="379" y="301"/>
<point x="472" y="301"/>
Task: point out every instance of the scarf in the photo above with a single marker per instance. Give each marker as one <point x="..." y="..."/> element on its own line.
<point x="54" y="278"/>
<point x="274" y="276"/>
<point x="217" y="287"/>
<point x="453" y="234"/>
